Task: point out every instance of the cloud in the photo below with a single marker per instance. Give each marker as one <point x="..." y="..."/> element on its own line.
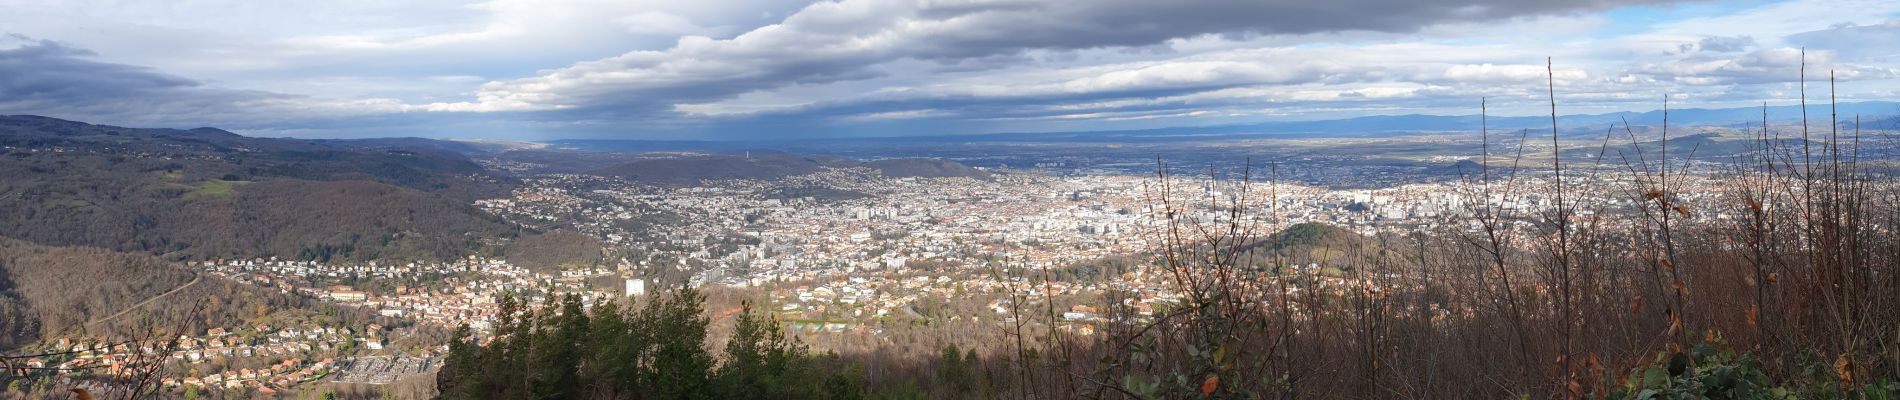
<point x="735" y="68"/>
<point x="43" y="76"/>
<point x="1233" y="77"/>
<point x="897" y="115"/>
<point x="1519" y="73"/>
<point x="44" y="71"/>
<point x="1726" y="44"/>
<point x="839" y="41"/>
<point x="1760" y="66"/>
<point x="660" y="23"/>
<point x="1150" y="77"/>
<point x="51" y="78"/>
<point x="266" y="45"/>
<point x="1871" y="42"/>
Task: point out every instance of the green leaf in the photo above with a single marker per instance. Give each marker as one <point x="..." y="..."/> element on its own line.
<point x="1878" y="392"/>
<point x="1647" y="394"/>
<point x="1654" y="378"/>
<point x="1702" y="352"/>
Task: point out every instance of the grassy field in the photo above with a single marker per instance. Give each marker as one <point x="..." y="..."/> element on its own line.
<point x="213" y="189"/>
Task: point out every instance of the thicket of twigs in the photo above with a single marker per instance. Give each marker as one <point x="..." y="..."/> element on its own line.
<point x="1795" y="295"/>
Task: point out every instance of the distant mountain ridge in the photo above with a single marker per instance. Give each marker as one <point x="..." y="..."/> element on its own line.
<point x="1379" y="124"/>
<point x="694" y="169"/>
<point x="1876" y="111"/>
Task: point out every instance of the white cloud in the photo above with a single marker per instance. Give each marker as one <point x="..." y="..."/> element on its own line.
<point x="1519" y="73"/>
<point x="1770" y="22"/>
<point x="837" y="41"/>
<point x="897" y="115"/>
<point x="1760" y="66"/>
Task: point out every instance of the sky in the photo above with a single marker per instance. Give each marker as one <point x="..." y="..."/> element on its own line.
<point x="774" y="69"/>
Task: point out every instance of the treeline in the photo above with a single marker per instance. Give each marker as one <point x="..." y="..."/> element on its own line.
<point x="657" y="350"/>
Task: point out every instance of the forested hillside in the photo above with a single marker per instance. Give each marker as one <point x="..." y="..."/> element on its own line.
<point x="555" y="250"/>
<point x="49" y="291"/>
<point x="100" y="218"/>
<point x="206" y="193"/>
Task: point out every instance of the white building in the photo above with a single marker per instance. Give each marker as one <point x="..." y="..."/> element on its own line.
<point x="636" y="287"/>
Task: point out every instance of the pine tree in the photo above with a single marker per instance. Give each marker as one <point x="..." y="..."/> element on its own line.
<point x="557" y="352"/>
<point x="760" y="362"/>
<point x="461" y="375"/>
<point x="563" y="351"/>
<point x="681" y="366"/>
<point x="952" y="373"/>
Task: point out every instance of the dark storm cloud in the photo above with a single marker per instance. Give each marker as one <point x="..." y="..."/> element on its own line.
<point x="43" y="71"/>
<point x="50" y="78"/>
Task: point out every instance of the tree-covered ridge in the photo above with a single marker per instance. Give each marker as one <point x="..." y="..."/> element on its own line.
<point x="206" y="193"/>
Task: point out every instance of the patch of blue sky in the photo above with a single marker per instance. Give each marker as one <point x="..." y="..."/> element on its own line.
<point x="1639" y="19"/>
